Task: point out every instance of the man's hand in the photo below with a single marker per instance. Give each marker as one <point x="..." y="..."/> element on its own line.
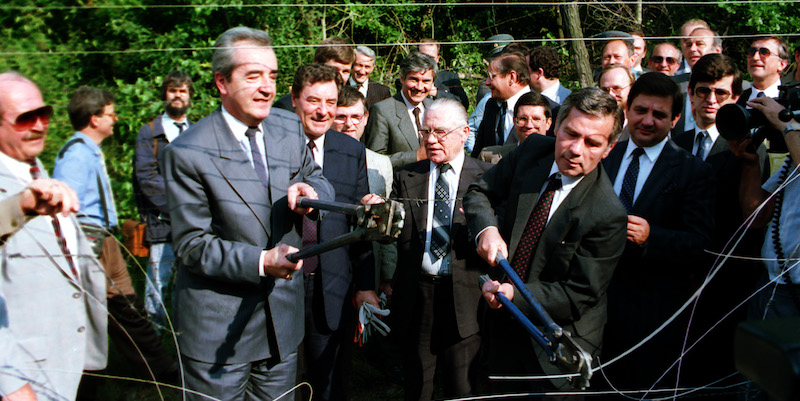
<point x="490" y="288"/>
<point x="25" y="393"/>
<point x="371" y="199"/>
<point x="297" y="190"/>
<point x="638" y="230"/>
<point x="386" y="288"/>
<point x="770" y="107"/>
<point x="739" y="149"/>
<point x="367" y="296"/>
<point x="489" y="244"/>
<point x="276" y="264"/>
<point x="48" y="197"/>
<point x="422" y="154"/>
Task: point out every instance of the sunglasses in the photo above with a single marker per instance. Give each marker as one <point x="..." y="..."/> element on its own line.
<point x="751" y="51"/>
<point x="28" y="119"/>
<point x="705" y="92"/>
<point x="660" y="59"/>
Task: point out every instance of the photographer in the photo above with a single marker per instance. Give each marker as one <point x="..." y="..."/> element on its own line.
<point x="781" y="248"/>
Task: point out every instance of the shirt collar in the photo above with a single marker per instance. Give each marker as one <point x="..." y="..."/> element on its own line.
<point x="237" y="127"/>
<point x="318" y="143"/>
<point x="409" y="106"/>
<point x="552" y="91"/>
<point x="21" y="170"/>
<point x="512" y="101"/>
<point x="712" y="131"/>
<point x="352" y="82"/>
<point x="651" y="152"/>
<point x="89" y="142"/>
<point x="567" y="183"/>
<point x="457" y="163"/>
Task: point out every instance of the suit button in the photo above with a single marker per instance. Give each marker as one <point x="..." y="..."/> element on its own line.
<point x="76" y="295"/>
<point x="81" y="329"/>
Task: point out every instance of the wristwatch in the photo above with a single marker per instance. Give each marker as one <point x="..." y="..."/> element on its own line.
<point x="792" y="126"/>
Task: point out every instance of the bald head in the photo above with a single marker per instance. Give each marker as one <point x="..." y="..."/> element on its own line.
<point x="24" y="117"/>
<point x="701" y="41"/>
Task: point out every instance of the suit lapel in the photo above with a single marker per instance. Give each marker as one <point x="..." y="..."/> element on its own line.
<point x="234" y="167"/>
<point x="404" y="123"/>
<point x="417" y="188"/>
<point x="614" y="159"/>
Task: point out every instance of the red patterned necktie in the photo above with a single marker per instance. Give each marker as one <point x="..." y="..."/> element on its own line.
<point x="62" y="241"/>
<point x="310" y="231"/>
<point x="534" y="228"/>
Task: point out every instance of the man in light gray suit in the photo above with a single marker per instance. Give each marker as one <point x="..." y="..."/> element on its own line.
<point x="52" y="290"/>
<point x="394" y="123"/>
<point x="233" y="180"/>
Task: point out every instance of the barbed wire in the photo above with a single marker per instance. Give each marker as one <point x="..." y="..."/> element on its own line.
<point x="390" y="5"/>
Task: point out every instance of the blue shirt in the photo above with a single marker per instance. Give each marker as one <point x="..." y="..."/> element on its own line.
<point x="789" y="225"/>
<point x="79" y="167"/>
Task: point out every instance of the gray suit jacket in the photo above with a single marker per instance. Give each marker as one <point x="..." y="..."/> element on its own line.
<point x="53" y="325"/>
<point x="391" y="132"/>
<point x="222" y="218"/>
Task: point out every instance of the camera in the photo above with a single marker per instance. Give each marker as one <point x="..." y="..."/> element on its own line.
<point x="735" y="122"/>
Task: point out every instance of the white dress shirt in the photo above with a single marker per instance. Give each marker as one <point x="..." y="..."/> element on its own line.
<point x="646" y="162"/>
<point x="431" y="266"/>
<point x="410" y="108"/>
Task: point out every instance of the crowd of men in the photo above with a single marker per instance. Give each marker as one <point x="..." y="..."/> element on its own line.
<point x="611" y="203"/>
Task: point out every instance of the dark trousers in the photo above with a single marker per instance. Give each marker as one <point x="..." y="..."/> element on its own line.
<point x="326" y="353"/>
<point x="433" y="339"/>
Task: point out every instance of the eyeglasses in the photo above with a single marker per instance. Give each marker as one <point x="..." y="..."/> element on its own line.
<point x="28" y="119"/>
<point x="751" y="51"/>
<point x="112" y="115"/>
<point x="660" y="59"/>
<point x="342" y="118"/>
<point x="705" y="92"/>
<point x="438" y="133"/>
<point x="614" y="89"/>
<point x="523" y="121"/>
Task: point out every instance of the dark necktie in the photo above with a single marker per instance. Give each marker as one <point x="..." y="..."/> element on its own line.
<point x="700" y="139"/>
<point x="310" y="231"/>
<point x="416" y="112"/>
<point x="534" y="228"/>
<point x="629" y="182"/>
<point x="62" y="241"/>
<point x="440" y="235"/>
<point x="501" y="124"/>
<point x="760" y="94"/>
<point x="258" y="162"/>
<point x="181" y="127"/>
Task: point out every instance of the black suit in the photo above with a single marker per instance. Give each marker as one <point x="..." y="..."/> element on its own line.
<point x="376" y="92"/>
<point x="735" y="281"/>
<point x="572" y="265"/>
<point x="451" y="317"/>
<point x="330" y="317"/>
<point x="653" y="280"/>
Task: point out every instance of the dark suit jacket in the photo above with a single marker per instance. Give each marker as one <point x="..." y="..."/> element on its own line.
<point x="345" y="167"/>
<point x="411" y="182"/>
<point x="391" y="132"/>
<point x="284" y="103"/>
<point x="487" y="129"/>
<point x="376" y="92"/>
<point x="222" y="218"/>
<point x="580" y="245"/>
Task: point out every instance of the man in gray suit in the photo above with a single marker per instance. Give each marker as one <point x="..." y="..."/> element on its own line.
<point x="233" y="180"/>
<point x="46" y="265"/>
<point x="394" y="124"/>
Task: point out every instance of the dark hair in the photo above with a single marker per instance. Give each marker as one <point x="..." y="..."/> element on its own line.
<point x="86" y="102"/>
<point x="596" y="102"/>
<point x="547" y="59"/>
<point x="507" y="62"/>
<point x="312" y="73"/>
<point x="349" y="96"/>
<point x="222" y="60"/>
<point x="533" y="98"/>
<point x="713" y="67"/>
<point x="175" y="79"/>
<point x="343" y="54"/>
<point x="516" y="47"/>
<point x="418" y="62"/>
<point x="660" y="85"/>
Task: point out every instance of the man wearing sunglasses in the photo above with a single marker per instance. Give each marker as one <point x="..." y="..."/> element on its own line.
<point x="766" y="58"/>
<point x="52" y="303"/>
<point x="666" y="59"/>
<point x="435" y="301"/>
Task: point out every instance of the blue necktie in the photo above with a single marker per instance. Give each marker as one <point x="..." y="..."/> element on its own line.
<point x="629" y="182"/>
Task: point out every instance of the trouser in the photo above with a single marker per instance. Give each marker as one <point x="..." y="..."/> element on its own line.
<point x="159" y="276"/>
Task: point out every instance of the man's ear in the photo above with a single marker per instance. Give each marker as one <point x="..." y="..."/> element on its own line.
<point x="221" y="83"/>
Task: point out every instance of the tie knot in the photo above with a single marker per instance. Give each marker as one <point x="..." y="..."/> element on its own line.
<point x="311" y="145"/>
<point x="554" y="182"/>
<point x="760" y="94"/>
<point x="443" y="168"/>
<point x="416" y="111"/>
<point x="35" y="172"/>
<point x="251" y="132"/>
<point x="638" y="152"/>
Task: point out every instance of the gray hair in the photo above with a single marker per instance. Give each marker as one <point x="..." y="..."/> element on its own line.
<point x="366" y="51"/>
<point x="596" y="102"/>
<point x="452" y="109"/>
<point x="717" y="39"/>
<point x="418" y="62"/>
<point x="222" y="61"/>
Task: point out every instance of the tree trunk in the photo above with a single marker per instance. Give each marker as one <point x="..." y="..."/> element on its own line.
<point x="579" y="52"/>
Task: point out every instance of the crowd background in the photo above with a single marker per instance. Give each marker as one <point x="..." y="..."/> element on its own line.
<point x="127" y="45"/>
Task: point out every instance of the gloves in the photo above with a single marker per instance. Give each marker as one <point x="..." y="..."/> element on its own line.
<point x="369" y="321"/>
